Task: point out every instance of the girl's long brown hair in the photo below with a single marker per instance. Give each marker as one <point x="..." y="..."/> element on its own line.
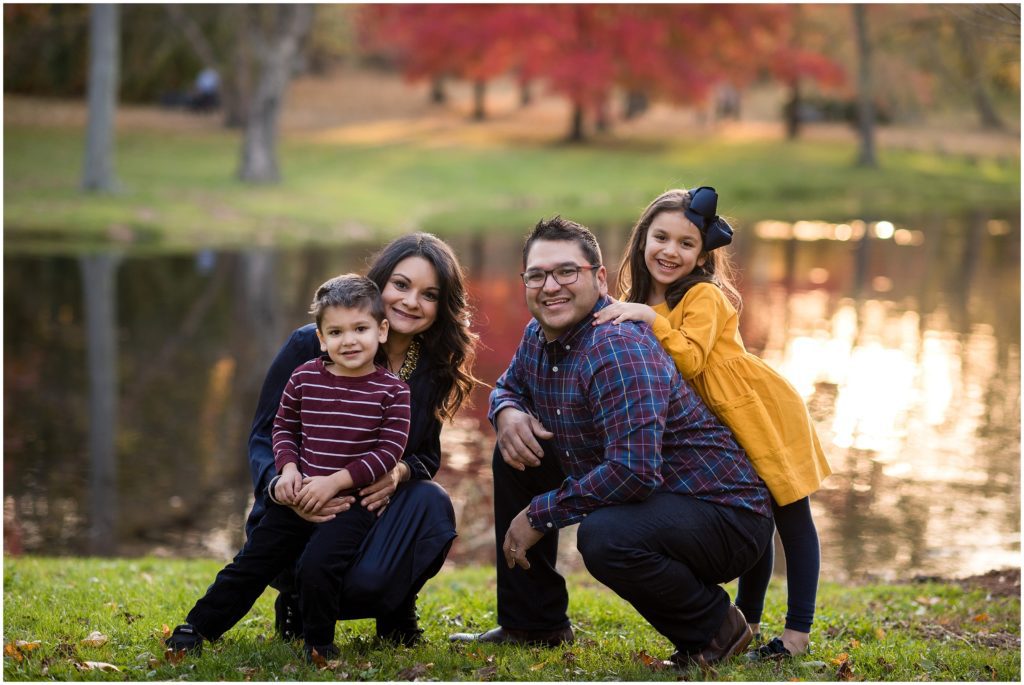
<point x="634" y="281"/>
<point x="450" y="341"/>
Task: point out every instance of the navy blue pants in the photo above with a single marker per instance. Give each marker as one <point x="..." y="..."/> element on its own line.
<point x="321" y="554"/>
<point x="799" y="540"/>
<point x="666" y="556"/>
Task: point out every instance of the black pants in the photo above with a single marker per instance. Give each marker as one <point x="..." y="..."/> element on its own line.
<point x="803" y="560"/>
<point x="665" y="556"/>
<point x="324" y="552"/>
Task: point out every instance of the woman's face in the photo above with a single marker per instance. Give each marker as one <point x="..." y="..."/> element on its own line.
<point x="411" y="296"/>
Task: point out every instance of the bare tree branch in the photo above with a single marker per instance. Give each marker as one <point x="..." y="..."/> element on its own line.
<point x="194" y="35"/>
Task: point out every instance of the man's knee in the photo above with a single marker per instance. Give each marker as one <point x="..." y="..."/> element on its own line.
<point x="601" y="549"/>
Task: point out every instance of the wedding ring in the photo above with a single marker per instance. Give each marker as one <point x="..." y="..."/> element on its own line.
<point x="513" y="550"/>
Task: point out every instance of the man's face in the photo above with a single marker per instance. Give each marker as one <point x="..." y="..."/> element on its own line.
<point x="559" y="307"/>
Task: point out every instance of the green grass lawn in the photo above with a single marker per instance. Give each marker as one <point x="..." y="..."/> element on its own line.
<point x="926" y="631"/>
<point x="179" y="193"/>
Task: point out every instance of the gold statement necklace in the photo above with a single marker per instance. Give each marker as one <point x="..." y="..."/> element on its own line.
<point x="412" y="357"/>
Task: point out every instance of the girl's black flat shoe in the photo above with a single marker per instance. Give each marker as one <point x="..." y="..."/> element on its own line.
<point x="772" y="650"/>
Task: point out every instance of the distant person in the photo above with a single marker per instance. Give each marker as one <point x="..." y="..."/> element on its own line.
<point x="595" y="426"/>
<point x="342" y="423"/>
<point x="431" y="347"/>
<point x="206" y="94"/>
<point x="676" y="277"/>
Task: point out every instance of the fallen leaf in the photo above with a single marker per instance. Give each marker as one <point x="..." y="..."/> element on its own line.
<point x="880" y="633"/>
<point x="95" y="639"/>
<point x="289" y="668"/>
<point x="318" y="660"/>
<point x="248" y="671"/>
<point x="485" y="673"/>
<point x="569" y="657"/>
<point x="817" y="665"/>
<point x="166" y="630"/>
<point x="991" y="671"/>
<point x="27" y="646"/>
<point x="414" y="672"/>
<point x="146" y="577"/>
<point x="174" y="656"/>
<point x="130" y="618"/>
<point x="96" y="666"/>
<point x="539" y="665"/>
<point x="11" y="650"/>
<point x="845" y="671"/>
<point x="153" y="662"/>
<point x="981" y="618"/>
<point x="886" y="665"/>
<point x="841" y="659"/>
<point x="854" y="643"/>
<point x="649" y="661"/>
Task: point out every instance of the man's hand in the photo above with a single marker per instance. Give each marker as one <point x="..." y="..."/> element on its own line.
<point x="315" y="493"/>
<point x="520" y="537"/>
<point x="287" y="488"/>
<point x="517" y="438"/>
<point x="328" y="511"/>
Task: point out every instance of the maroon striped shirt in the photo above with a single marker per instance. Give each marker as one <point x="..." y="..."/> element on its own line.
<point x="326" y="423"/>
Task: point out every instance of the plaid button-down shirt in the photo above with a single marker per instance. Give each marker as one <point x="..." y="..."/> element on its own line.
<point x="625" y="423"/>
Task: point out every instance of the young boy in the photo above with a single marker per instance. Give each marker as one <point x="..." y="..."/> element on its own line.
<point x="342" y="423"/>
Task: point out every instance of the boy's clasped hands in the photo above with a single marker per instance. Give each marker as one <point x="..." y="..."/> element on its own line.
<point x="307" y="493"/>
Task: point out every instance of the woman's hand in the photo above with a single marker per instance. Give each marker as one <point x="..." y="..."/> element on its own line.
<point x="329" y="510"/>
<point x="617" y="312"/>
<point x="377" y="495"/>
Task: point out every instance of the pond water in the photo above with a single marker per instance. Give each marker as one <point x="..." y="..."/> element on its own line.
<point x="904" y="340"/>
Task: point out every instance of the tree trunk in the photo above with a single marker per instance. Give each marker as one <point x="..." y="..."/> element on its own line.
<point x="438" y="96"/>
<point x="635" y="105"/>
<point x="479" y="100"/>
<point x="104" y="49"/>
<point x="100" y="293"/>
<point x="277" y="61"/>
<point x="976" y="79"/>
<point x="791" y="110"/>
<point x="865" y="95"/>
<point x="576" y="125"/>
<point x="525" y="94"/>
<point x="602" y="122"/>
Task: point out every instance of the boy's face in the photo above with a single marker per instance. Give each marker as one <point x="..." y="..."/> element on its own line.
<point x="350" y="337"/>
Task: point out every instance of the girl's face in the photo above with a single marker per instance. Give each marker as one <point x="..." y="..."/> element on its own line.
<point x="411" y="296"/>
<point x="673" y="249"/>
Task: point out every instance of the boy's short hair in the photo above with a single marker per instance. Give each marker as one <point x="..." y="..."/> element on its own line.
<point x="351" y="291"/>
<point x="560" y="229"/>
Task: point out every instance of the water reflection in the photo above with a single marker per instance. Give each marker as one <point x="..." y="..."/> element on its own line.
<point x="906" y="349"/>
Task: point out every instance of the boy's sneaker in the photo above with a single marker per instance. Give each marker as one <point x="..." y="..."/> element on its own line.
<point x="318" y="655"/>
<point x="185" y="638"/>
<point x="287" y="617"/>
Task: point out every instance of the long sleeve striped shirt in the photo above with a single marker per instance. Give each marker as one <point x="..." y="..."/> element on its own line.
<point x="326" y="423"/>
<point x="625" y="423"/>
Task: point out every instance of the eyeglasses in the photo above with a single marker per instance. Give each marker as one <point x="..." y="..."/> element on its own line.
<point x="563" y="275"/>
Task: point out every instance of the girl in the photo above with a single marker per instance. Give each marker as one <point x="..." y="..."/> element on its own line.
<point x="674" y="277"/>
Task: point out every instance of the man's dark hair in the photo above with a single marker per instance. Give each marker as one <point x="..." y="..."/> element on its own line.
<point x="557" y="228"/>
<point x="351" y="291"/>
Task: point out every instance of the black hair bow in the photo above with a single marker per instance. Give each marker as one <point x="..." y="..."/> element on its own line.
<point x="702" y="212"/>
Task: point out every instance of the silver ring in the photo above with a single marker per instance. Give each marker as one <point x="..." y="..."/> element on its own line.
<point x="513" y="550"/>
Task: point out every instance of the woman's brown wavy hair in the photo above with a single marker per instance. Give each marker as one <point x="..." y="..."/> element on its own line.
<point x="449" y="341"/>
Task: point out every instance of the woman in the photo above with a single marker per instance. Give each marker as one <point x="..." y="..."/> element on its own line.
<point x="430" y="347"/>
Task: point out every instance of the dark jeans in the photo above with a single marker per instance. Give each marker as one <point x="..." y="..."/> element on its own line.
<point x="665" y="556"/>
<point x="324" y="552"/>
<point x="799" y="540"/>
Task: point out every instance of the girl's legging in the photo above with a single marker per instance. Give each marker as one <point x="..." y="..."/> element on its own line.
<point x="803" y="560"/>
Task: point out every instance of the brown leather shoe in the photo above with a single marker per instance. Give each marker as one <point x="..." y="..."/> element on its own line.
<point x="732" y="638"/>
<point x="508" y="636"/>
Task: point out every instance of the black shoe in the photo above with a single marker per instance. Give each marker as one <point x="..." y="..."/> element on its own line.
<point x="317" y="654"/>
<point x="404" y="637"/>
<point x="508" y="636"/>
<point x="287" y="617"/>
<point x="772" y="650"/>
<point x="185" y="638"/>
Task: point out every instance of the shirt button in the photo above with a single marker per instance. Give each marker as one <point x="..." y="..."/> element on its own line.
<point x="558" y="411"/>
<point x="554" y="368"/>
<point x="550" y="525"/>
<point x="566" y="347"/>
<point x="567" y="453"/>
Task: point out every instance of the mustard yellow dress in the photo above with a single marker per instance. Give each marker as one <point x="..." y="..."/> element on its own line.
<point x="764" y="412"/>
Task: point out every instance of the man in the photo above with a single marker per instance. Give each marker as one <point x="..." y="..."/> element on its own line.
<point x="595" y="427"/>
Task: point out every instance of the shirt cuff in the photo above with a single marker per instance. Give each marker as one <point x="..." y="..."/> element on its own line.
<point x="270" y="489"/>
<point x="505" y="404"/>
<point x="543" y="513"/>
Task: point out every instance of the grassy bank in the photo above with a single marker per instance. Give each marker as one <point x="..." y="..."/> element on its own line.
<point x="920" y="631"/>
<point x="178" y="188"/>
